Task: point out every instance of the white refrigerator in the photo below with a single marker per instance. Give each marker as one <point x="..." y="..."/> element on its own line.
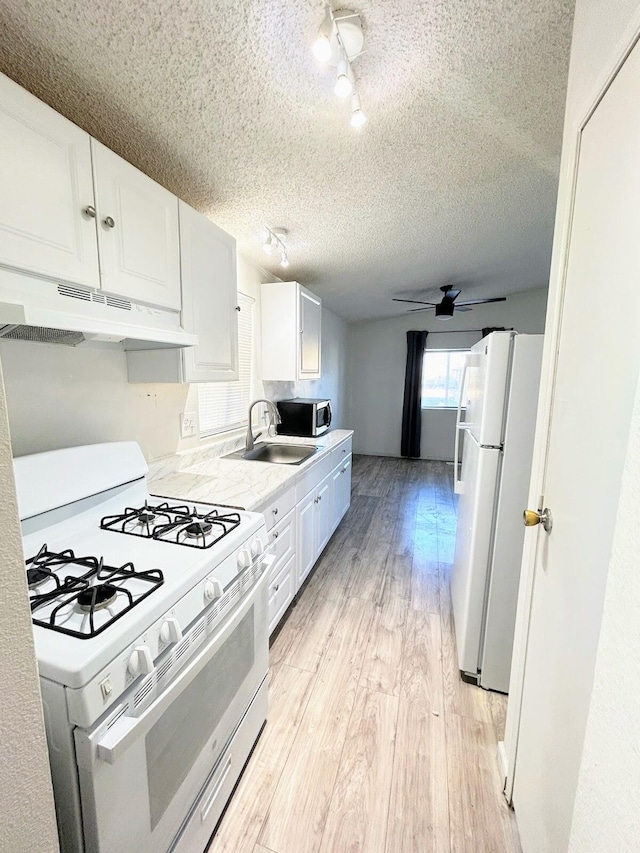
<point x="496" y="416"/>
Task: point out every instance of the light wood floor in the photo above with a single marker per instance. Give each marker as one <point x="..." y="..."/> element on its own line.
<point x="373" y="743"/>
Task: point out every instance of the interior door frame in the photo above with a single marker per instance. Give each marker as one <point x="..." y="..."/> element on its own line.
<point x="508" y="751"/>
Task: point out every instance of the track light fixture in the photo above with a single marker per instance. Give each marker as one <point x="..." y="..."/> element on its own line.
<point x="274" y="242"/>
<point x="358" y="118"/>
<point x="339" y="43"/>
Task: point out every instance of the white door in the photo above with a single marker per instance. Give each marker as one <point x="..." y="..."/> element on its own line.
<point x="310" y="325"/>
<point x="209" y="298"/>
<point x="477" y="489"/>
<point x="46" y="191"/>
<point x="138" y="235"/>
<point x="306" y="536"/>
<point x="596" y="374"/>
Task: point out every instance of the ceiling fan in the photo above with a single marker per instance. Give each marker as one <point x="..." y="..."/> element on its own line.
<point x="447" y="305"/>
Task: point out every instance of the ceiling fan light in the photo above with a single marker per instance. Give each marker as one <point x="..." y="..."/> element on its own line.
<point x="444" y="310"/>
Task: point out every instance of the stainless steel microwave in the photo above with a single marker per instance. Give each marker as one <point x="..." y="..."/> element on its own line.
<point x="304" y="416"/>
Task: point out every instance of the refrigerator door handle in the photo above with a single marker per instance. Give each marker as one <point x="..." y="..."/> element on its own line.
<point x="460" y="425"/>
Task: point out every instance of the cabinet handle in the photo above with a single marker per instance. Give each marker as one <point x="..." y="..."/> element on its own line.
<point x="275" y="512"/>
<point x="344" y="450"/>
<point x="319" y="497"/>
<point x="275" y="535"/>
<point x="276" y="587"/>
<point x="90" y="211"/>
<point x="343" y="470"/>
<point x="110" y="222"/>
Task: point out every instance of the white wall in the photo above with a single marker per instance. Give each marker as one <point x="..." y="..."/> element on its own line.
<point x="376" y="367"/>
<point x="334" y="371"/>
<point x="606" y="817"/>
<point x="27" y="818"/>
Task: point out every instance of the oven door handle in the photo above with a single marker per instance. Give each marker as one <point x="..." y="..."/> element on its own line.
<point x="125" y="730"/>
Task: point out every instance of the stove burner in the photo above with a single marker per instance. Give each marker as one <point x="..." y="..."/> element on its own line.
<point x="97" y="597"/>
<point x="36" y="577"/>
<point x="197" y="528"/>
<point x="177" y="524"/>
<point x="87" y="585"/>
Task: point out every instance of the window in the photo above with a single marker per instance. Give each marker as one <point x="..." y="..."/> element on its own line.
<point x="223" y="405"/>
<point x="441" y="377"/>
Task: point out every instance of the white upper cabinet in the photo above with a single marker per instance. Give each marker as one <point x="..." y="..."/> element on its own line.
<point x="209" y="302"/>
<point x="47" y="224"/>
<point x="291" y="332"/>
<point x="209" y="298"/>
<point x="137" y="232"/>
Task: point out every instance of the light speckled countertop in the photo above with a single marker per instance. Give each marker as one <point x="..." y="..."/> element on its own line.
<point x="202" y="475"/>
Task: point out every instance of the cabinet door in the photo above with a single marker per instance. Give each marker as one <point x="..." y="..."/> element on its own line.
<point x="137" y="232"/>
<point x="306" y="551"/>
<point x="310" y="334"/>
<point x="45" y="191"/>
<point x="324" y="526"/>
<point x="342" y="494"/>
<point x="209" y="298"/>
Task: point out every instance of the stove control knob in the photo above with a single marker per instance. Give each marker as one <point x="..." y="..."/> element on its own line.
<point x="244" y="559"/>
<point x="141" y="662"/>
<point x="212" y="589"/>
<point x="257" y="547"/>
<point x="170" y="631"/>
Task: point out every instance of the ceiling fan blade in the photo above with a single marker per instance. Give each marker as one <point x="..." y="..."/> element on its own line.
<point x="450" y="293"/>
<point x="461" y="307"/>
<point x="413" y="301"/>
<point x="482" y="301"/>
<point x="426" y="308"/>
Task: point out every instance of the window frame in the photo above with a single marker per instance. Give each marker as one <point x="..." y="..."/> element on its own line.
<point x="449" y="351"/>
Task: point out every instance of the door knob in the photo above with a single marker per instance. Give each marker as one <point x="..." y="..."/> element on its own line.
<point x="531" y="517"/>
<point x="110" y="222"/>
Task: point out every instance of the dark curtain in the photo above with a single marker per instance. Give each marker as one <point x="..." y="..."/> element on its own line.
<point x="412" y="409"/>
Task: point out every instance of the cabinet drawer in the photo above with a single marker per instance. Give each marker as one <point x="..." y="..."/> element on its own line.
<point x="281" y="592"/>
<point x="313" y="477"/>
<point x="341" y="452"/>
<point x="276" y="509"/>
<point x="282" y="539"/>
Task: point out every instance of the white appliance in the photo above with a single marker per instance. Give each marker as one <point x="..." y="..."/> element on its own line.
<point x="499" y="401"/>
<point x="150" y="624"/>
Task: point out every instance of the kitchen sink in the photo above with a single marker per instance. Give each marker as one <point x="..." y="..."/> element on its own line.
<point x="279" y="454"/>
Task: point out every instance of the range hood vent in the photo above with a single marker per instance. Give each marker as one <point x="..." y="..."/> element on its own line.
<point x="40" y="335"/>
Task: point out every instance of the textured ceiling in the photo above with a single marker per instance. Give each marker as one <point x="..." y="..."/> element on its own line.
<point x="453" y="180"/>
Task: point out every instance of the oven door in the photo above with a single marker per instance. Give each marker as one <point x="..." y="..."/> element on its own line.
<point x="139" y="776"/>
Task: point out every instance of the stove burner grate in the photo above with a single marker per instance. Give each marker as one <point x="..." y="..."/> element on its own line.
<point x="97" y="587"/>
<point x="179" y="525"/>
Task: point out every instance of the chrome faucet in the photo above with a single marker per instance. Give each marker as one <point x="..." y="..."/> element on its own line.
<point x="274" y="418"/>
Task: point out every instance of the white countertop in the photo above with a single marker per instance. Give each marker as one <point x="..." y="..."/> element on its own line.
<point x="234" y="482"/>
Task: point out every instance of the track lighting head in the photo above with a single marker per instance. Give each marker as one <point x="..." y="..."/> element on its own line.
<point x="344" y="86"/>
<point x="275" y="243"/>
<point x="322" y="45"/>
<point x="358" y="118"/>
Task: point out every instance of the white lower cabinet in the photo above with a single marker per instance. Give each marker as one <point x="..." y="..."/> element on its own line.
<point x="341" y="491"/>
<point x="282" y="588"/>
<point x="300" y="536"/>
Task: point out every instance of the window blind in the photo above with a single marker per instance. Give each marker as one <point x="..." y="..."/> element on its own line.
<point x="223" y="405"/>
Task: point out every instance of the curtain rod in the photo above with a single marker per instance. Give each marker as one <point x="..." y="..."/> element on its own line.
<point x="459" y="331"/>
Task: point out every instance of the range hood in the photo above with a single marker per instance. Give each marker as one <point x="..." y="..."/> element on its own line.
<point x="46" y="312"/>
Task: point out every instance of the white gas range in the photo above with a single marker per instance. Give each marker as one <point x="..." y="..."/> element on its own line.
<point x="150" y="624"/>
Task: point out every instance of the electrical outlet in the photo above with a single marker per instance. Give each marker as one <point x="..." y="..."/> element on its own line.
<point x="188" y="424"/>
